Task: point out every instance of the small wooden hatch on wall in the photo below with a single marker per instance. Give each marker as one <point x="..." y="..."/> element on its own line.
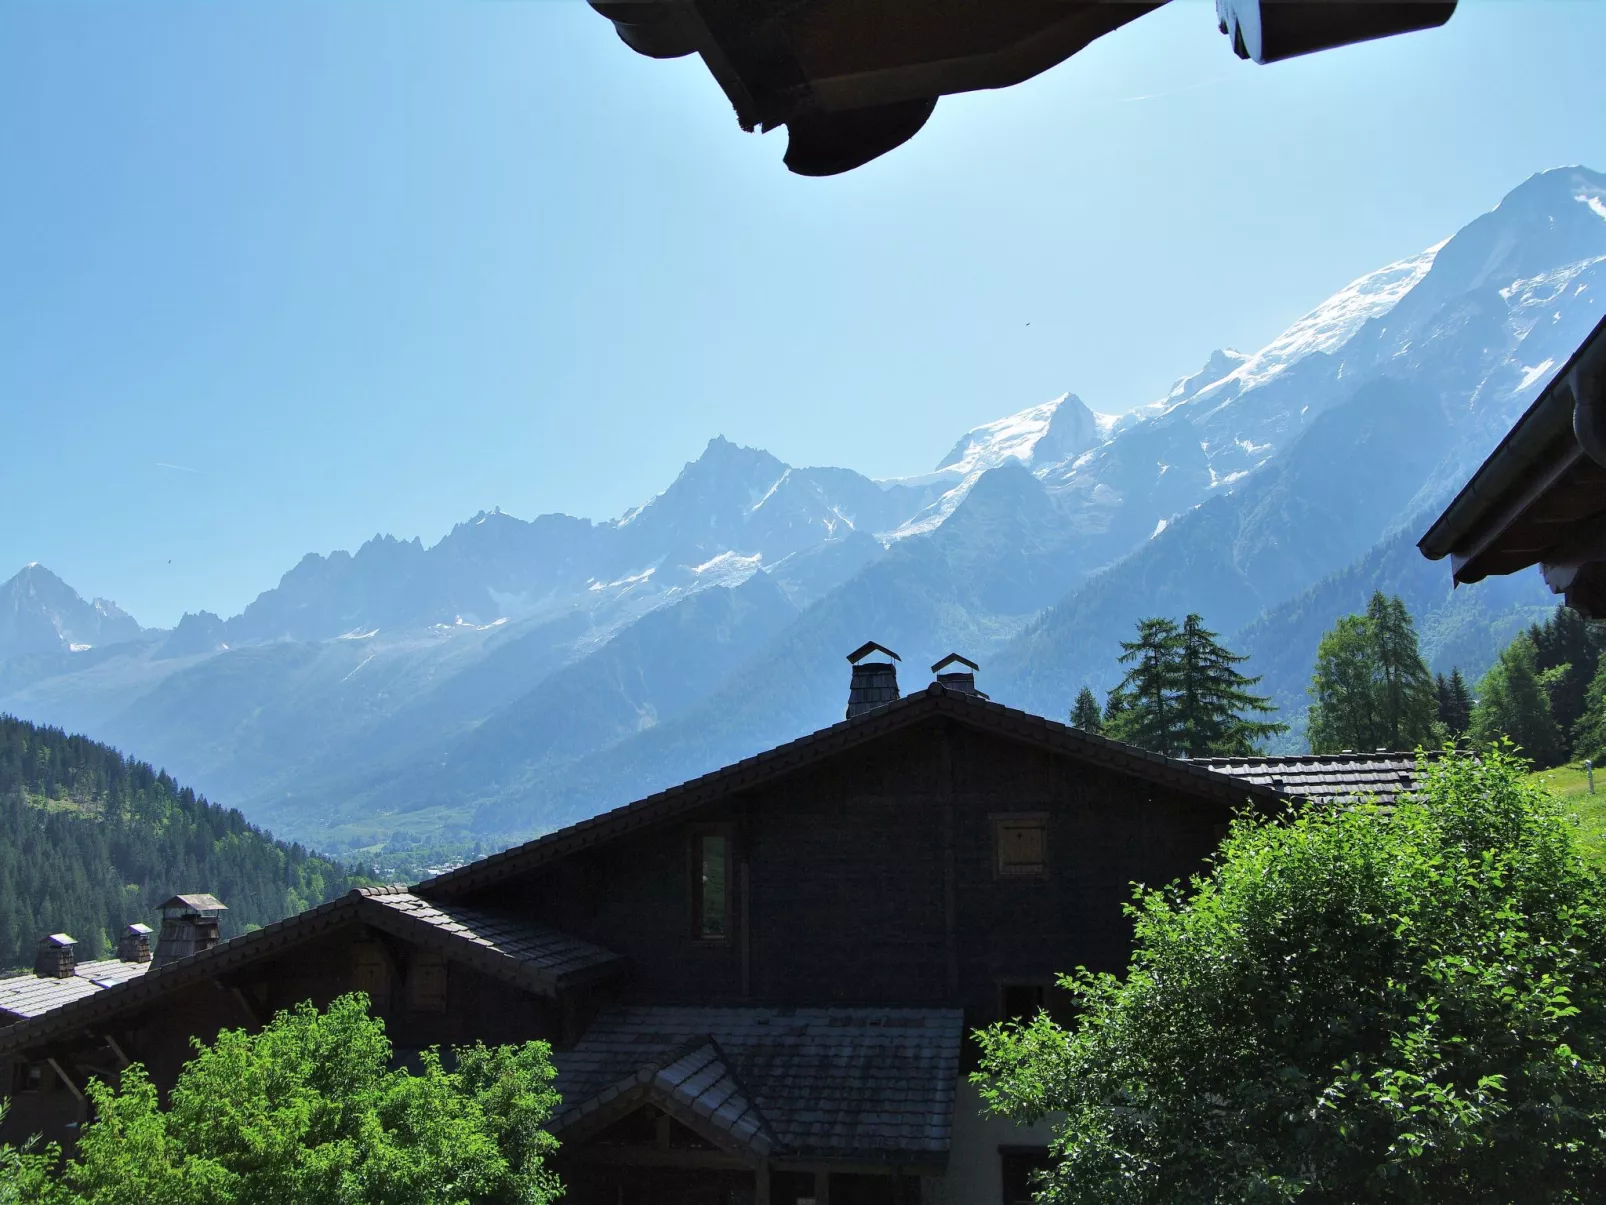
<point x="1020" y="845"/>
<point x="371" y="971"/>
<point x="426" y="982"/>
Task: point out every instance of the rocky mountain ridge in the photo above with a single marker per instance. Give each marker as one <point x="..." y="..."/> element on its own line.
<point x="518" y="674"/>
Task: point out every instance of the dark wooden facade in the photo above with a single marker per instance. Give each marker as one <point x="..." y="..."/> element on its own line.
<point x="933" y="863"/>
<point x="871" y="878"/>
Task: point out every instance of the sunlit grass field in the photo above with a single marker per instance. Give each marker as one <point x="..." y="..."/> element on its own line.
<point x="1570" y="783"/>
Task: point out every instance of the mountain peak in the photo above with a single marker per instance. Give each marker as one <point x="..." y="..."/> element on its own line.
<point x="1045" y="434"/>
<point x="40" y="613"/>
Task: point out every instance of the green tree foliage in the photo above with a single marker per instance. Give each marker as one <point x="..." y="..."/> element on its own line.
<point x="1454" y="703"/>
<point x="1214" y="702"/>
<point x="1590" y="731"/>
<point x="308" y="1110"/>
<point x="1567" y="654"/>
<point x="24" y="1172"/>
<point x="91" y="841"/>
<point x="1354" y="1004"/>
<point x="1513" y="703"/>
<point x="1085" y="714"/>
<point x="1184" y="695"/>
<point x="1144" y="704"/>
<point x="1371" y="688"/>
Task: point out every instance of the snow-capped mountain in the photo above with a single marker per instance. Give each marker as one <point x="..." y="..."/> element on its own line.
<point x="519" y="673"/>
<point x="41" y="614"/>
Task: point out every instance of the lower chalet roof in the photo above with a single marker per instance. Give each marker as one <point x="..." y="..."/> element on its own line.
<point x="850" y="1084"/>
<point x="972" y="710"/>
<point x="25" y="996"/>
<point x="1326" y="776"/>
<point x="532" y="957"/>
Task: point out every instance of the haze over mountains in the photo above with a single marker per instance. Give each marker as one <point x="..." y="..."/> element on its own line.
<point x="517" y="675"/>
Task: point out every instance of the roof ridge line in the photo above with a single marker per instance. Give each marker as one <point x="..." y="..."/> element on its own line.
<point x="835" y="738"/>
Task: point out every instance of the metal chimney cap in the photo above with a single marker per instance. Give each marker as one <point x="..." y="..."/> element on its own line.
<point x="868" y="647"/>
<point x="59" y="940"/>
<point x="950" y="659"/>
<point x="141" y="930"/>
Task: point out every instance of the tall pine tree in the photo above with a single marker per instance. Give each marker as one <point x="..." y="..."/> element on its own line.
<point x="1371" y="688"/>
<point x="1183" y="694"/>
<point x="1512" y="702"/>
<point x="1406" y="703"/>
<point x="1589" y="734"/>
<point x="1145" y="701"/>
<point x="1567" y="652"/>
<point x="1085" y="714"/>
<point x="1455" y="703"/>
<point x="1213" y="699"/>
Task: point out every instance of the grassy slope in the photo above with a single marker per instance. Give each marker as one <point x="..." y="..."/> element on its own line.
<point x="1570" y="784"/>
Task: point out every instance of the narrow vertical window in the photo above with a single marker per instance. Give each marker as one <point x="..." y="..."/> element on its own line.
<point x="712" y="886"/>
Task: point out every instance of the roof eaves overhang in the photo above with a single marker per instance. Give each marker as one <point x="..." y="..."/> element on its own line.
<point x="91" y="1011"/>
<point x="1550" y="442"/>
<point x="519" y="973"/>
<point x="762" y="768"/>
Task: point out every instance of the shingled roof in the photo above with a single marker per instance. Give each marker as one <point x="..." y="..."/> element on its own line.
<point x="540" y="958"/>
<point x="863" y="1084"/>
<point x="969" y="709"/>
<point x="25" y="996"/>
<point x="1326" y="776"/>
<point x="531" y="957"/>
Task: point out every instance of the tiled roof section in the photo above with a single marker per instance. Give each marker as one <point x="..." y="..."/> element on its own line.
<point x="544" y="959"/>
<point x="1327" y="776"/>
<point x="25" y="996"/>
<point x="498" y="952"/>
<point x="1196" y="778"/>
<point x="694" y="1083"/>
<point x="868" y="1084"/>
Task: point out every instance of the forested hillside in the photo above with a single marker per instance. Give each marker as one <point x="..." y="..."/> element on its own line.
<point x="91" y="841"/>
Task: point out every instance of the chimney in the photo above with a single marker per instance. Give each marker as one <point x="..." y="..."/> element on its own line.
<point x="135" y="944"/>
<point x="189" y="926"/>
<point x="57" y="957"/>
<point x="961" y="680"/>
<point x="875" y="683"/>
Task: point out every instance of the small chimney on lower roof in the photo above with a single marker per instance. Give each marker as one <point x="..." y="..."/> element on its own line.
<point x="57" y="957"/>
<point x="875" y="683"/>
<point x="189" y="926"/>
<point x="135" y="944"/>
<point x="961" y="680"/>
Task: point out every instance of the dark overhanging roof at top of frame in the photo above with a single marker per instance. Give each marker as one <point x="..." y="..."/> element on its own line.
<point x="1540" y="497"/>
<point x="852" y="79"/>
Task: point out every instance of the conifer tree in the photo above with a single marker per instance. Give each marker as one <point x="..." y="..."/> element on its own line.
<point x="1085" y="714"/>
<point x="1455" y="703"/>
<point x="1214" y="700"/>
<point x="1371" y="688"/>
<point x="1146" y="712"/>
<point x="1512" y="702"/>
<point x="1406" y="703"/>
<point x="1183" y="694"/>
<point x="1589" y="734"/>
<point x="1343" y="709"/>
<point x="1567" y="652"/>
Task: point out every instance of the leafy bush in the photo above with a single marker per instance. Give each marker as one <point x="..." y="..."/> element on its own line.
<point x="308" y="1110"/>
<point x="1354" y="1004"/>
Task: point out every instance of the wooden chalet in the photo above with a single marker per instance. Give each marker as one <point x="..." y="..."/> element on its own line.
<point x="758" y="984"/>
<point x="851" y="79"/>
<point x="1540" y="498"/>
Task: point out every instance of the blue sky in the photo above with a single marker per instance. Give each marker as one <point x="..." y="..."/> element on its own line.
<point x="277" y="277"/>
